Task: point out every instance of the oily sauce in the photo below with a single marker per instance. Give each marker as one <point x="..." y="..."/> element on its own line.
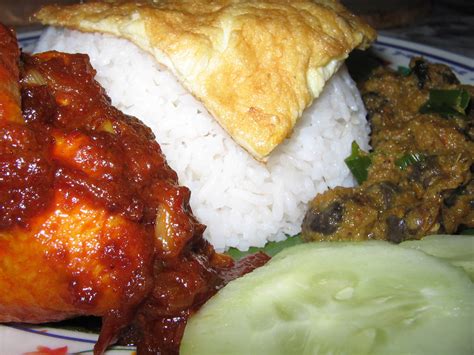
<point x="92" y="217"/>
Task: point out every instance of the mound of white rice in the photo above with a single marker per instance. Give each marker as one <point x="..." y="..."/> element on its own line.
<point x="243" y="202"/>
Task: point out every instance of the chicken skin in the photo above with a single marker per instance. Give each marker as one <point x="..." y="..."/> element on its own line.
<point x="92" y="219"/>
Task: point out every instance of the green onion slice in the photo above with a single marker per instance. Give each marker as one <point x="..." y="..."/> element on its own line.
<point x="447" y="102"/>
<point x="404" y="71"/>
<point x="358" y="163"/>
<point x="409" y="159"/>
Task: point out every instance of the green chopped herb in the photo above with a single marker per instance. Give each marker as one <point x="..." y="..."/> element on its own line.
<point x="409" y="159"/>
<point x="271" y="248"/>
<point x="358" y="163"/>
<point x="404" y="71"/>
<point x="447" y="102"/>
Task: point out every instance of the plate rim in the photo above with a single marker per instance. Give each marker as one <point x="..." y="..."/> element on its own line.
<point x="422" y="49"/>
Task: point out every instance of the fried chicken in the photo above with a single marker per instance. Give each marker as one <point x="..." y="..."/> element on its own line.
<point x="92" y="219"/>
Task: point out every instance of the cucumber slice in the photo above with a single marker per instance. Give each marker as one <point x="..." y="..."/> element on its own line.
<point x="357" y="298"/>
<point x="456" y="249"/>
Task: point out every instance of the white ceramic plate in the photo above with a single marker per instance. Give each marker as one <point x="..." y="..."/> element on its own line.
<point x="398" y="52"/>
<point x="38" y="340"/>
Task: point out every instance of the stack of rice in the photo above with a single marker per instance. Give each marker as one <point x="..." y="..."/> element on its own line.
<point x="242" y="201"/>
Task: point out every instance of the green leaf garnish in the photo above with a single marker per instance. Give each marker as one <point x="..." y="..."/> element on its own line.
<point x="404" y="71"/>
<point x="271" y="248"/>
<point x="409" y="159"/>
<point x="447" y="102"/>
<point x="358" y="163"/>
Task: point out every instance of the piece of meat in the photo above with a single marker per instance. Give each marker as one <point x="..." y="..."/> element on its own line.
<point x="431" y="194"/>
<point x="92" y="219"/>
<point x="20" y="153"/>
<point x="10" y="109"/>
<point x="64" y="250"/>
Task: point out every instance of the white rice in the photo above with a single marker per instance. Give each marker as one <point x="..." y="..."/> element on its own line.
<point x="243" y="202"/>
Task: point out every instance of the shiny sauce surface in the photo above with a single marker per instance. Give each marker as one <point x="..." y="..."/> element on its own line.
<point x="140" y="261"/>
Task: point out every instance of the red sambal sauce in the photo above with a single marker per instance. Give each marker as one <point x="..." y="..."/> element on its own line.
<point x="75" y="138"/>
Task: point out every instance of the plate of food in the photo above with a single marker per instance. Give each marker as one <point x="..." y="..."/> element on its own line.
<point x="257" y="131"/>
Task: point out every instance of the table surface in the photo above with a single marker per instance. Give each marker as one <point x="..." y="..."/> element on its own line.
<point x="449" y="26"/>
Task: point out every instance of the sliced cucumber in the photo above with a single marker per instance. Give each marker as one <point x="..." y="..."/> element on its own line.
<point x="456" y="249"/>
<point x="357" y="298"/>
